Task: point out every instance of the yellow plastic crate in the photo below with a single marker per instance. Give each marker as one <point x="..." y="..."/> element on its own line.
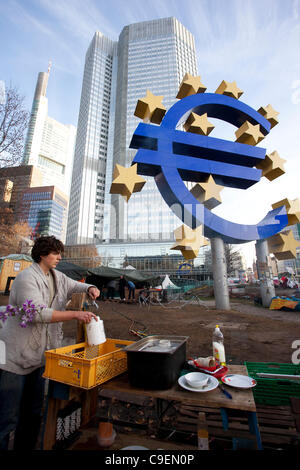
<point x="86" y="366"/>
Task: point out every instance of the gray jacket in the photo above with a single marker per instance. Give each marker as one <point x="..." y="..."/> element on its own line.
<point x="25" y="347"/>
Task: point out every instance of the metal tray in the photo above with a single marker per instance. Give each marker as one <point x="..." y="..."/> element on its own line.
<point x="157" y="344"/>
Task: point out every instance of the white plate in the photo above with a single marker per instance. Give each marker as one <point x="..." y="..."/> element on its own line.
<point x="211" y="385"/>
<point x="238" y="381"/>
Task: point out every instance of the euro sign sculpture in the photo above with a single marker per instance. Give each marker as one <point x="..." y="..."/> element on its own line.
<point x="173" y="156"/>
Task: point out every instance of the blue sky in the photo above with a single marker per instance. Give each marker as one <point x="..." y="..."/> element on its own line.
<point x="254" y="42"/>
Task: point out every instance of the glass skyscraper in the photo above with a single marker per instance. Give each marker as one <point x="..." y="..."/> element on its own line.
<point x="49" y="144"/>
<point x="152" y="55"/>
<point x="44" y="208"/>
<point x="86" y="209"/>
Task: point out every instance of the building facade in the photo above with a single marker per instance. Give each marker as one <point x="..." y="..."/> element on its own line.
<point x="155" y="257"/>
<point x="49" y="144"/>
<point x="155" y="55"/>
<point x="86" y="212"/>
<point x="44" y="208"/>
<point x="152" y="55"/>
<point x="13" y="182"/>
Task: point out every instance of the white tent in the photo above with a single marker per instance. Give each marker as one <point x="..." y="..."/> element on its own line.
<point x="168" y="284"/>
<point x="290" y="270"/>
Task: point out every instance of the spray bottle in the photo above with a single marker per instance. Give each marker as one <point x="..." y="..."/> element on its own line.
<point x="218" y="347"/>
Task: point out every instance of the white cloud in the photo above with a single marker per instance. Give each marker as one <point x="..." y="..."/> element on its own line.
<point x="17" y="14"/>
<point x="80" y="19"/>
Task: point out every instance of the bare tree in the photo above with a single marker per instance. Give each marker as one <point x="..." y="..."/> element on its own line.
<point x="11" y="233"/>
<point x="233" y="259"/>
<point x="13" y="122"/>
<point x="86" y="256"/>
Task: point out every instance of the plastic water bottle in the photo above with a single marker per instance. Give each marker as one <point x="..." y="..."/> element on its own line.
<point x="218" y="347"/>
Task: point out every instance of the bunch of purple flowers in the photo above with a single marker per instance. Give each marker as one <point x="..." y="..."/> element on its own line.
<point x="26" y="313"/>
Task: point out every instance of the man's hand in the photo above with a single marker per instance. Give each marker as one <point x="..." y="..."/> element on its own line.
<point x="85" y="317"/>
<point x="93" y="292"/>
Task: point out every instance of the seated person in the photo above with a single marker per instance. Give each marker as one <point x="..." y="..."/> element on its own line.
<point x="144" y="295"/>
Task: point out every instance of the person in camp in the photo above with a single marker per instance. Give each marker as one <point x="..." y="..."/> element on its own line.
<point x="122" y="285"/>
<point x="131" y="290"/>
<point x="111" y="288"/>
<point x="31" y="324"/>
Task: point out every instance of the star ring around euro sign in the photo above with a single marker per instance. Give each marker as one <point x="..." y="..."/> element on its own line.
<point x="173" y="156"/>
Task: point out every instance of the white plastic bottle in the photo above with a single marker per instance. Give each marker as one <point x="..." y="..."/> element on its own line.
<point x="95" y="332"/>
<point x="218" y="347"/>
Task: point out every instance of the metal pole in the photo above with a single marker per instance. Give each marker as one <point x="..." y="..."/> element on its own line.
<point x="219" y="267"/>
<point x="264" y="272"/>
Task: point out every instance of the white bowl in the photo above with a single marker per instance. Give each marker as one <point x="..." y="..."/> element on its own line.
<point x="196" y="379"/>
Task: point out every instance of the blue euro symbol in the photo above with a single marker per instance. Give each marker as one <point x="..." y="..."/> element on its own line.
<point x="173" y="156"/>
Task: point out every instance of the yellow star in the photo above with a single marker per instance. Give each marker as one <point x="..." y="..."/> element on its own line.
<point x="270" y="114"/>
<point x="198" y="124"/>
<point x="249" y="134"/>
<point x="150" y="108"/>
<point x="229" y="89"/>
<point x="272" y="166"/>
<point x="126" y="181"/>
<point x="190" y="85"/>
<point x="283" y="245"/>
<point x="208" y="193"/>
<point x="189" y="241"/>
<point x="292" y="210"/>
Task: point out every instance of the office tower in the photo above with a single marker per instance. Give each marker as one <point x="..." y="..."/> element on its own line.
<point x="44" y="208"/>
<point x="49" y="144"/>
<point x="152" y="55"/>
<point x="93" y="143"/>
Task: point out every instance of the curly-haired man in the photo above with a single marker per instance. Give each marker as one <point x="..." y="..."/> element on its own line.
<point x="21" y="381"/>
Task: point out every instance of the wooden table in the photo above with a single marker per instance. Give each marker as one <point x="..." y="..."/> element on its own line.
<point x="59" y="395"/>
<point x="241" y="400"/>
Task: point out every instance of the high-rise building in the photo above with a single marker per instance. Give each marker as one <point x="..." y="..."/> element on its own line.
<point x="49" y="144"/>
<point x="44" y="208"/>
<point x="155" y="56"/>
<point x="152" y="55"/>
<point x="93" y="142"/>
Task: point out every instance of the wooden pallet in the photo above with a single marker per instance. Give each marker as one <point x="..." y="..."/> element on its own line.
<point x="276" y="423"/>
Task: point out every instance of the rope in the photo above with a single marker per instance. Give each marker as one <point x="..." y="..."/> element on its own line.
<point x="140" y="333"/>
<point x="184" y="303"/>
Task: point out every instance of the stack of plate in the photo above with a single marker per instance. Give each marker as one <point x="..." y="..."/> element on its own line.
<point x="210" y="384"/>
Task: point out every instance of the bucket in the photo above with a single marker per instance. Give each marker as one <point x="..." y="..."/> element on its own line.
<point x="95" y="332"/>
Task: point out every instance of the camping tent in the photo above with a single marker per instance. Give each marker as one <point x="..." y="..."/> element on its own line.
<point x="168" y="284"/>
<point x="72" y="270"/>
<point x="104" y="274"/>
